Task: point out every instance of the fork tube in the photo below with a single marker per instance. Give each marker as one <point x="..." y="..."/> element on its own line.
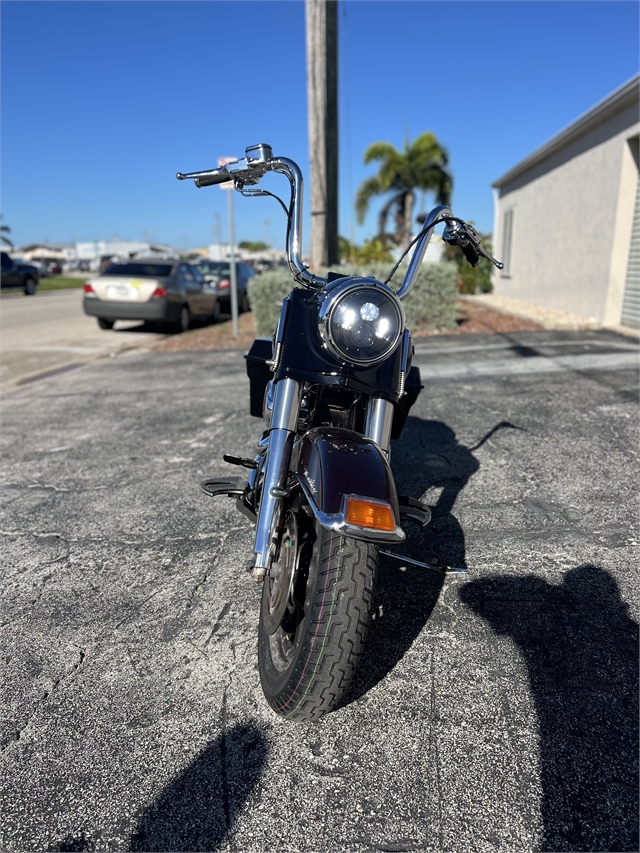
<point x="284" y="421"/>
<point x="379" y="421"/>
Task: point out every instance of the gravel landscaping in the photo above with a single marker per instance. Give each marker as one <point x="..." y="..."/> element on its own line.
<point x="472" y="320"/>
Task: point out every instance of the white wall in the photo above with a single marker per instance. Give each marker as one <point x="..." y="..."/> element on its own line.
<point x="567" y="222"/>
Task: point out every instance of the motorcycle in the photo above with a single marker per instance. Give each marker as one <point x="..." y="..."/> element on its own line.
<point x="334" y="385"/>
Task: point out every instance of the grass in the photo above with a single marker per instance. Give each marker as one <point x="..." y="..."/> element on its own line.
<point x="59" y="282"/>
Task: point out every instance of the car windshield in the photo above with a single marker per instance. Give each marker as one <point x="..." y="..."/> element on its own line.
<point x="216" y="269"/>
<point x="141" y="270"/>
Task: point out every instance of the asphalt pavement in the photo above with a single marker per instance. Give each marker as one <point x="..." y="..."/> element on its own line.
<point x="49" y="332"/>
<point x="493" y="711"/>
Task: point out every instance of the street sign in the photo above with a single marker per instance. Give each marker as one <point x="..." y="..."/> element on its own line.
<point x="222" y="161"/>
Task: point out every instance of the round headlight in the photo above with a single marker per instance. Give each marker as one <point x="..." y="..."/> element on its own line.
<point x="362" y="322"/>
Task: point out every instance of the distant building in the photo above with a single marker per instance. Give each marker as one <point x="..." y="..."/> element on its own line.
<point x="97" y="249"/>
<point x="567" y="217"/>
<point x="222" y="252"/>
<point x="41" y="251"/>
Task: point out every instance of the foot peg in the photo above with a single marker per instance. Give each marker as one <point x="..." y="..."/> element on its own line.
<point x="222" y="486"/>
<point x="238" y="460"/>
<point x="413" y="510"/>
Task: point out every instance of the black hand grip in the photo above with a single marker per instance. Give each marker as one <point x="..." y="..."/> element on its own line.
<point x="470" y="254"/>
<point x="209" y="180"/>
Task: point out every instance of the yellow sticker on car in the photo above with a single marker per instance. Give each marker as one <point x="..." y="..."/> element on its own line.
<point x="136" y="283"/>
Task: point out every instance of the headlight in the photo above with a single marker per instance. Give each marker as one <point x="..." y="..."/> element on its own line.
<point x="361" y="321"/>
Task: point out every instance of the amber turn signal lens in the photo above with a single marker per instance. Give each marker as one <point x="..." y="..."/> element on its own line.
<point x="369" y="514"/>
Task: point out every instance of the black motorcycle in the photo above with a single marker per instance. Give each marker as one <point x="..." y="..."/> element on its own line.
<point x="334" y="386"/>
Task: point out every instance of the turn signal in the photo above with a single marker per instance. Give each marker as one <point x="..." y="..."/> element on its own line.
<point x="89" y="289"/>
<point x="371" y="514"/>
<point x="159" y="291"/>
<point x="224" y="284"/>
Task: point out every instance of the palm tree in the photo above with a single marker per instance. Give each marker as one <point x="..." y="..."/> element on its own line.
<point x="421" y="166"/>
<point x="4" y="230"/>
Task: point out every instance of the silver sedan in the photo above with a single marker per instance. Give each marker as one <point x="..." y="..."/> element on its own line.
<point x="170" y="292"/>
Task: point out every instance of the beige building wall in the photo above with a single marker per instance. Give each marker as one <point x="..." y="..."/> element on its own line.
<point x="571" y="222"/>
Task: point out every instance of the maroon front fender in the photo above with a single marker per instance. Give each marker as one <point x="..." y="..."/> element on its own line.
<point x="334" y="463"/>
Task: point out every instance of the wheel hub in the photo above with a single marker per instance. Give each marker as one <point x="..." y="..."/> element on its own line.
<point x="281" y="574"/>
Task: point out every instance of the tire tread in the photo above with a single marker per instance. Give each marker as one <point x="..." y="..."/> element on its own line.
<point x="341" y="612"/>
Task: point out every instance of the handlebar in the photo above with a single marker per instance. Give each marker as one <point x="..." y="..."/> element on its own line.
<point x="248" y="172"/>
<point x="259" y="160"/>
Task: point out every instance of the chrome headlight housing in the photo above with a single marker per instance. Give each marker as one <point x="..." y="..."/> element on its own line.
<point x="361" y="321"/>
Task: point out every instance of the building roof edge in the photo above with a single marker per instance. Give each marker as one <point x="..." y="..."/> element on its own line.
<point x="613" y="103"/>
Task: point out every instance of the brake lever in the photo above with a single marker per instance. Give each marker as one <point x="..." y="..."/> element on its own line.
<point x="482" y="251"/>
<point x="458" y="234"/>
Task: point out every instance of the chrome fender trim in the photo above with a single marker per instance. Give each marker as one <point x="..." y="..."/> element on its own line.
<point x="336" y="521"/>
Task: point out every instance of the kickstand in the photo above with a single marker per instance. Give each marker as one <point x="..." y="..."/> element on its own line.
<point x="444" y="570"/>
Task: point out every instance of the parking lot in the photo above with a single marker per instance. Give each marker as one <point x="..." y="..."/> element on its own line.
<point x="493" y="711"/>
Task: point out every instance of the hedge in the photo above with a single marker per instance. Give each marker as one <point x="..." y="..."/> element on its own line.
<point x="429" y="306"/>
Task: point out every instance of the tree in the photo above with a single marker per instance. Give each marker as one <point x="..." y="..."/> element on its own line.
<point x="372" y="252"/>
<point x="421" y="166"/>
<point x="4" y="230"/>
<point x="253" y="246"/>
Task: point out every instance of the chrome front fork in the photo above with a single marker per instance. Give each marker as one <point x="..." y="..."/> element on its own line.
<point x="284" y="421"/>
<point x="378" y="422"/>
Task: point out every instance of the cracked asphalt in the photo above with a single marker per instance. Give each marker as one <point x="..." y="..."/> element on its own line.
<point x="494" y="711"/>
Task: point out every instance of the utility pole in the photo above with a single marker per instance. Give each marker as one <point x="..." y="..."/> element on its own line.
<point x="322" y="94"/>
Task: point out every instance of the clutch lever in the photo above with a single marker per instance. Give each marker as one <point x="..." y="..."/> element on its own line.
<point x="241" y="172"/>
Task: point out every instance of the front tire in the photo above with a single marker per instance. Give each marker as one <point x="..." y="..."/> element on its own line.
<point x="105" y="324"/>
<point x="308" y="662"/>
<point x="29" y="287"/>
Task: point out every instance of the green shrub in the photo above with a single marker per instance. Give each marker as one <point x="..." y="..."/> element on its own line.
<point x="266" y="292"/>
<point x="430" y="305"/>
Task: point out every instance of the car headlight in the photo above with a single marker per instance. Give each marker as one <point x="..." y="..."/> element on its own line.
<point x="361" y="321"/>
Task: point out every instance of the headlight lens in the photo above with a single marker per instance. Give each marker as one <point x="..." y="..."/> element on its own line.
<point x="362" y="324"/>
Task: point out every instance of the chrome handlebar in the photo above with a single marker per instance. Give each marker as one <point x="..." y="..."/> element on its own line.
<point x="259" y="160"/>
<point x="248" y="172"/>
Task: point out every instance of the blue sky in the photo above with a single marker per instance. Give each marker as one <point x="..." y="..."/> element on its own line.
<point x="103" y="102"/>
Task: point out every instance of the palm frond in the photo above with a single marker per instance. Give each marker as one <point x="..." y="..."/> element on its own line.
<point x="381" y="151"/>
<point x="369" y="188"/>
<point x="5" y="230"/>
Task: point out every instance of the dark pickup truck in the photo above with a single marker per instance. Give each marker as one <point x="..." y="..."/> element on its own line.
<point x="19" y="274"/>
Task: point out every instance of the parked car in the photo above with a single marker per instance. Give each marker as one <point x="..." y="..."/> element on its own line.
<point x="218" y="275"/>
<point x="18" y="274"/>
<point x="170" y="292"/>
<point x="49" y="266"/>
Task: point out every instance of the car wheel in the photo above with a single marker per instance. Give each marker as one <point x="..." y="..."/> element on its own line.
<point x="106" y="324"/>
<point x="216" y="313"/>
<point x="29" y="287"/>
<point x="244" y="304"/>
<point x="184" y="320"/>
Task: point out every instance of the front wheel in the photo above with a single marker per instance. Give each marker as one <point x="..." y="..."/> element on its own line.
<point x="314" y="617"/>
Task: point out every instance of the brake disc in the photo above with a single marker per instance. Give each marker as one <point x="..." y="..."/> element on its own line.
<point x="280" y="576"/>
